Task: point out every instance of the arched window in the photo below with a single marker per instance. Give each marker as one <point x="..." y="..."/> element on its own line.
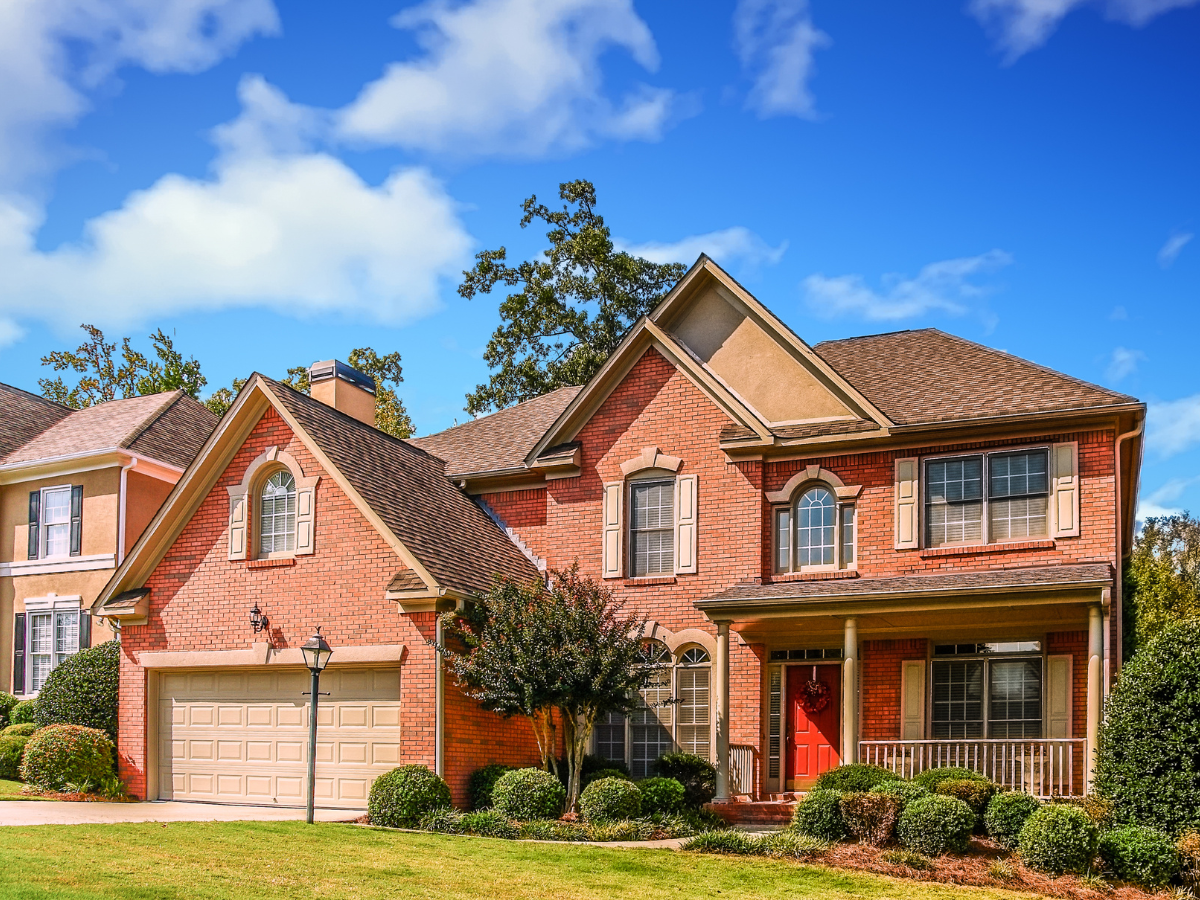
<point x="816" y="513"/>
<point x="694" y="730"/>
<point x="277" y="514"/>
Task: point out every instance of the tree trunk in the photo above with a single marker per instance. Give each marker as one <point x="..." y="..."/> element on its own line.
<point x="547" y="738"/>
<point x="577" y="732"/>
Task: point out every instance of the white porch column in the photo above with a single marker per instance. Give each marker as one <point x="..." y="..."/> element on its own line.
<point x="722" y="711"/>
<point x="1094" y="688"/>
<point x="850" y="694"/>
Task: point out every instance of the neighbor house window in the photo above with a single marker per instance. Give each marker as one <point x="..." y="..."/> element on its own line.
<point x="988" y="497"/>
<point x="814" y="532"/>
<point x="53" y="637"/>
<point x="986" y="691"/>
<point x="56" y="521"/>
<point x="673" y="713"/>
<point x="652" y="528"/>
<point x="277" y="514"/>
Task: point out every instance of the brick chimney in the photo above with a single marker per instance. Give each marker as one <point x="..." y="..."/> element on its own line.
<point x="345" y="389"/>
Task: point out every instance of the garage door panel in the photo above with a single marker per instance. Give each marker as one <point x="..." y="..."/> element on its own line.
<point x="243" y="737"/>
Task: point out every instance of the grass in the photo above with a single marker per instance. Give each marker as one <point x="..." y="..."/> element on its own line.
<point x="11" y="790"/>
<point x="263" y="861"/>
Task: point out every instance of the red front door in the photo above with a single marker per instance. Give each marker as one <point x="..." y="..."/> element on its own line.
<point x="813" y="735"/>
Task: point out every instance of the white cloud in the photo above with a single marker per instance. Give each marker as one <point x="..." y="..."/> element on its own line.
<point x="511" y="78"/>
<point x="298" y="232"/>
<point x="1162" y="501"/>
<point x="727" y="246"/>
<point x="1173" y="426"/>
<point x="1023" y="25"/>
<point x="10" y="332"/>
<point x="53" y="51"/>
<point x="1170" y="250"/>
<point x="775" y="41"/>
<point x="1123" y="363"/>
<point x="944" y="287"/>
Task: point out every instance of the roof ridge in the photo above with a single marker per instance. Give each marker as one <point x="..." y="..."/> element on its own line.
<point x="38" y="397"/>
<point x="147" y="421"/>
<point x="863" y="337"/>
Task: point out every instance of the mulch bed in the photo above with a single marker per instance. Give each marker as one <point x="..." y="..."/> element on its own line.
<point x="971" y="868"/>
<point x="75" y="797"/>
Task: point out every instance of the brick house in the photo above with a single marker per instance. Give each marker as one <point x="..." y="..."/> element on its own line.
<point x="76" y="489"/>
<point x="898" y="548"/>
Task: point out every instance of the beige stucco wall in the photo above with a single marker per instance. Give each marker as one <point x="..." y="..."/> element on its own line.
<point x="100" y="508"/>
<point x="143" y="497"/>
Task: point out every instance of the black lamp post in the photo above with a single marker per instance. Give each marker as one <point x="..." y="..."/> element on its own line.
<point x="316" y="656"/>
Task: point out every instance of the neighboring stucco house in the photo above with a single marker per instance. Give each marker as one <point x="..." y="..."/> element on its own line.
<point x="898" y="548"/>
<point x="76" y="489"/>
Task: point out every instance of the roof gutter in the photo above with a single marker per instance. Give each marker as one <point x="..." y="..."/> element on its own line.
<point x="1120" y="550"/>
<point x="86" y="460"/>
<point x="1029" y="417"/>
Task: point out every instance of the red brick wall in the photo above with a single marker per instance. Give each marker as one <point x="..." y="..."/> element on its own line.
<point x="879" y="684"/>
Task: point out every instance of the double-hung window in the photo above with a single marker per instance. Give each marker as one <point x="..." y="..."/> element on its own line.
<point x="651" y="528"/>
<point x="987" y="691"/>
<point x="986" y="497"/>
<point x="53" y="637"/>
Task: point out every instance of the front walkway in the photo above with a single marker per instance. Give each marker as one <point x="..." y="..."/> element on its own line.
<point x="23" y="812"/>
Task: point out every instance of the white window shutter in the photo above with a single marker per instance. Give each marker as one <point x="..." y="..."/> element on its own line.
<point x="1064" y="490"/>
<point x="686" y="515"/>
<point x="611" y="564"/>
<point x="306" y="507"/>
<point x="907" y="518"/>
<point x="912" y="700"/>
<point x="237" y="525"/>
<point x="1058" y="697"/>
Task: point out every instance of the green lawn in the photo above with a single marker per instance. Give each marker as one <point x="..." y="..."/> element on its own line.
<point x="291" y="860"/>
<point x="11" y="790"/>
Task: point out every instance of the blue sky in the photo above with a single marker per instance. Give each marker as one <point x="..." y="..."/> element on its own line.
<point x="279" y="183"/>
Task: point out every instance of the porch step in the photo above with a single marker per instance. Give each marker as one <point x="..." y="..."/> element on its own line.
<point x="765" y="813"/>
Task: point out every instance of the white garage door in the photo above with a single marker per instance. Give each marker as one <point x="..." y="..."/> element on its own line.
<point x="242" y="736"/>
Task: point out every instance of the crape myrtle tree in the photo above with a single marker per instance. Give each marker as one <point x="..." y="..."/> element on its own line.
<point x="568" y="308"/>
<point x="563" y="655"/>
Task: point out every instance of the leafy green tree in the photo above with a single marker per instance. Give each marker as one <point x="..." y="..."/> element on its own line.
<point x="570" y="308"/>
<point x="1162" y="578"/>
<point x="390" y="415"/>
<point x="104" y="377"/>
<point x="222" y="398"/>
<point x="567" y="652"/>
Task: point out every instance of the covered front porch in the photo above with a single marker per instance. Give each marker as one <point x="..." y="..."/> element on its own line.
<point x="1001" y="671"/>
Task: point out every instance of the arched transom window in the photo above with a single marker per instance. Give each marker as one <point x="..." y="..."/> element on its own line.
<point x="814" y="532"/>
<point x="277" y="514"/>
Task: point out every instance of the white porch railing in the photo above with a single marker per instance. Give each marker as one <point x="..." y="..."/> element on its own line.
<point x="741" y="770"/>
<point x="1044" y="767"/>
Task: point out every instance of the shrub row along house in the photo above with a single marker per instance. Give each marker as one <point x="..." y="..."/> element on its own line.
<point x="76" y="489"/>
<point x="898" y="548"/>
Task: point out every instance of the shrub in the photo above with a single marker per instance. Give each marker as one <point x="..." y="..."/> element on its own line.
<point x="935" y="825"/>
<point x="11" y="748"/>
<point x="736" y="843"/>
<point x="931" y="778"/>
<point x="7" y="702"/>
<point x="904" y="791"/>
<point x="604" y="773"/>
<point x="781" y="845"/>
<point x="529" y="794"/>
<point x="1002" y="870"/>
<point x="1189" y="858"/>
<point x="971" y="791"/>
<point x="697" y="775"/>
<point x="661" y="796"/>
<point x="819" y="815"/>
<point x="553" y="830"/>
<point x="401" y="797"/>
<point x="482" y="781"/>
<point x="82" y="690"/>
<point x="1149" y="748"/>
<point x="487" y="823"/>
<point x="854" y="778"/>
<point x="62" y="754"/>
<point x="1058" y="838"/>
<point x="23" y="712"/>
<point x="1142" y="855"/>
<point x="619" y="830"/>
<point x="610" y="799"/>
<point x="870" y="817"/>
<point x="790" y="845"/>
<point x="25" y="729"/>
<point x="1006" y="814"/>
<point x="907" y="859"/>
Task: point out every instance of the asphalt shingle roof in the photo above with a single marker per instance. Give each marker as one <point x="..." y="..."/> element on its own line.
<point x="25" y="416"/>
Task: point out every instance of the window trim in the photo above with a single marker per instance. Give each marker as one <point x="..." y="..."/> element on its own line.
<point x="52" y="606"/>
<point x="985" y="525"/>
<point x="43" y="526"/>
<point x="1042" y="658"/>
<point x="840" y="505"/>
<point x="256" y="531"/>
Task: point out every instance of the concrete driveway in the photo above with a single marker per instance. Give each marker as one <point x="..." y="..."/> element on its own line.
<point x="29" y="812"/>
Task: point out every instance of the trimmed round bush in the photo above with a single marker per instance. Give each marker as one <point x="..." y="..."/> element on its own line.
<point x="82" y="690"/>
<point x="697" y="775"/>
<point x="603" y="773"/>
<point x="1142" y="855"/>
<point x="819" y="815"/>
<point x="1058" y="839"/>
<point x="610" y="799"/>
<point x="906" y="791"/>
<point x="529" y="794"/>
<point x="1149" y="749"/>
<point x="12" y="746"/>
<point x="1189" y="858"/>
<point x="870" y="817"/>
<point x="25" y="729"/>
<point x="931" y="778"/>
<point x="854" y="778"/>
<point x="1006" y="814"/>
<point x="67" y="754"/>
<point x="402" y="797"/>
<point x="936" y="824"/>
<point x="661" y="796"/>
<point x="975" y="793"/>
<point x="23" y="712"/>
<point x="483" y="780"/>
<point x="7" y="702"/>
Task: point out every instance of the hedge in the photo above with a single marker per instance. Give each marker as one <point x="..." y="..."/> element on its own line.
<point x="819" y="815"/>
<point x="697" y="775"/>
<point x="662" y="796"/>
<point x="856" y="777"/>
<point x="82" y="690"/>
<point x="402" y="797"/>
<point x="871" y="817"/>
<point x="610" y="799"/>
<point x="1006" y="815"/>
<point x="1145" y="856"/>
<point x="482" y="782"/>
<point x="529" y="794"/>
<point x="12" y="746"/>
<point x="931" y="778"/>
<point x="1058" y="839"/>
<point x="23" y="713"/>
<point x="60" y="755"/>
<point x="935" y="825"/>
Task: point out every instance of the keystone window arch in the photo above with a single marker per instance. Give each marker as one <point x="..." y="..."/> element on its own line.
<point x="273" y="511"/>
<point x="815" y="523"/>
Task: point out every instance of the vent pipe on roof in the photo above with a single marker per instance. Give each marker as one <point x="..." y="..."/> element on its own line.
<point x="345" y="389"/>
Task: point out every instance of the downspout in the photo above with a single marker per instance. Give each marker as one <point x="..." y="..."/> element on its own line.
<point x="1119" y="606"/>
<point x="439" y="700"/>
<point x="121" y="515"/>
